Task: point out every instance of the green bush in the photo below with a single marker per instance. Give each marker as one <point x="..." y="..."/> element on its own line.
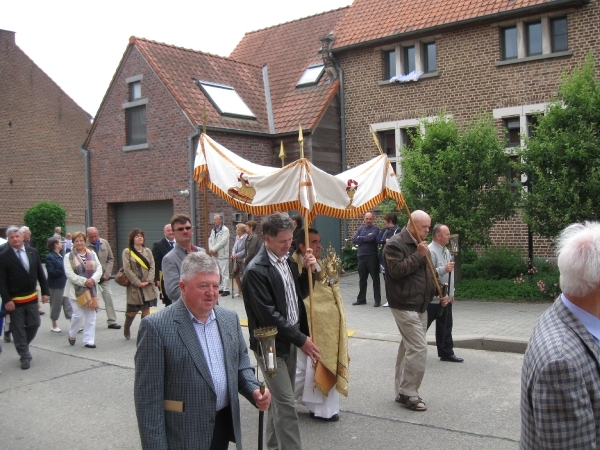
<point x="497" y="263"/>
<point x="41" y="220"/>
<point x="349" y="258"/>
<point x="468" y="256"/>
<point x="508" y="290"/>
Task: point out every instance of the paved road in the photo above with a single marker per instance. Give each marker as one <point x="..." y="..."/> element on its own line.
<point x="74" y="397"/>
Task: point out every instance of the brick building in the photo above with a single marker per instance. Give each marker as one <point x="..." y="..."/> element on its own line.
<point x="42" y="133"/>
<point x="503" y="58"/>
<point x="142" y="144"/>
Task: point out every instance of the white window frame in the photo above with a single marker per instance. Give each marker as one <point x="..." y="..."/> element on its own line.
<point x="419" y="62"/>
<point x="522" y="112"/>
<point x="398" y="126"/>
<point x="132" y="104"/>
<point x="522" y="43"/>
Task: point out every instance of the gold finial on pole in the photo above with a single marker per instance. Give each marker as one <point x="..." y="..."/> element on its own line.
<point x="301" y="140"/>
<point x="282" y="155"/>
<point x="377" y="143"/>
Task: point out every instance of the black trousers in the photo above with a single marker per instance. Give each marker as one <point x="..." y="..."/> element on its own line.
<point x="368" y="266"/>
<point x="24" y="323"/>
<point x="223" y="431"/>
<point x="443" y="328"/>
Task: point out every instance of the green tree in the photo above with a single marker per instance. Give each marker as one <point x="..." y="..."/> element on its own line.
<point x="562" y="158"/>
<point x="41" y="220"/>
<point x="459" y="177"/>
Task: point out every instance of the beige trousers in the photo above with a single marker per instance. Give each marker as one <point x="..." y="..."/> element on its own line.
<point x="412" y="352"/>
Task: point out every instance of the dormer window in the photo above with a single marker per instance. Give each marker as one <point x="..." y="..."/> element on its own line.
<point x="311" y="75"/>
<point x="226" y="100"/>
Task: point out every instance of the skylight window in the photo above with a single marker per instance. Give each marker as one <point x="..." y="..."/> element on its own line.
<point x="311" y="75"/>
<point x="226" y="100"/>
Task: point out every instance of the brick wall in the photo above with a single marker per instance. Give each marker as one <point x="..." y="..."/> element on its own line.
<point x="41" y="132"/>
<point x="469" y="83"/>
<point x="162" y="170"/>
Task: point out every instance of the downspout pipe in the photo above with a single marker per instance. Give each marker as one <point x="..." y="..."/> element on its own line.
<point x="192" y="183"/>
<point x="88" y="187"/>
<point x="342" y="125"/>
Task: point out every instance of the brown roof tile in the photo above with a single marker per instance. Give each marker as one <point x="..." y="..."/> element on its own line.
<point x="288" y="49"/>
<point x="369" y="20"/>
<point x="177" y="66"/>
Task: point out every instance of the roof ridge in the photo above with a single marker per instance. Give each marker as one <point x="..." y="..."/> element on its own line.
<point x="296" y="20"/>
<point x="134" y="39"/>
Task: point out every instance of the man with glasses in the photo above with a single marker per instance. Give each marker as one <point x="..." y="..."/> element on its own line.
<point x="171" y="263"/>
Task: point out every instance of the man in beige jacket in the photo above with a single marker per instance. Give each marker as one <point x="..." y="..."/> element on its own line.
<point x="105" y="255"/>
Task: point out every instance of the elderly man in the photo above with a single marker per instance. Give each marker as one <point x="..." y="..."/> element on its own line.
<point x="20" y="272"/>
<point x="105" y="255"/>
<point x="368" y="260"/>
<point x="444" y="266"/>
<point x="171" y="263"/>
<point x="560" y="382"/>
<point x="273" y="297"/>
<point x="331" y="374"/>
<point x="191" y="363"/>
<point x="159" y="251"/>
<point x="218" y="248"/>
<point x="410" y="287"/>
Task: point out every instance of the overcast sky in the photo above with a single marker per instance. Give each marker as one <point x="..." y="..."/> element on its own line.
<point x="79" y="43"/>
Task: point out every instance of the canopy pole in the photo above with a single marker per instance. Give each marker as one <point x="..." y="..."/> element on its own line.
<point x="419" y="240"/>
<point x="310" y="281"/>
<point x="206" y="214"/>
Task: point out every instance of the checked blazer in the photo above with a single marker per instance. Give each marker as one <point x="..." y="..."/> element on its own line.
<point x="170" y="365"/>
<point x="560" y="384"/>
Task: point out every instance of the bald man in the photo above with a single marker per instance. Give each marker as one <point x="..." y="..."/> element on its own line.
<point x="410" y="287"/>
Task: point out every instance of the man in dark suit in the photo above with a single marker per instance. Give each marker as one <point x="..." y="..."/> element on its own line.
<point x="560" y="383"/>
<point x="191" y="363"/>
<point x="159" y="250"/>
<point x="20" y="271"/>
<point x="273" y="297"/>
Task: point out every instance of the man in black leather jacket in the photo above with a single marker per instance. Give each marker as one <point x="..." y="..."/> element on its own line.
<point x="273" y="294"/>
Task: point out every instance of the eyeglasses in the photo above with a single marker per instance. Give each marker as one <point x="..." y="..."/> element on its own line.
<point x="188" y="228"/>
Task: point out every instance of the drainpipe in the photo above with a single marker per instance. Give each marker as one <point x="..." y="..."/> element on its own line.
<point x="192" y="183"/>
<point x="270" y="118"/>
<point x="88" y="187"/>
<point x="342" y="124"/>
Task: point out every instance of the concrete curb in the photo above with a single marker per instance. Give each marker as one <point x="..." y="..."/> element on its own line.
<point x="491" y="343"/>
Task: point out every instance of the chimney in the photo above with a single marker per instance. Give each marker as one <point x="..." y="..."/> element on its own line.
<point x="326" y="43"/>
<point x="7" y="37"/>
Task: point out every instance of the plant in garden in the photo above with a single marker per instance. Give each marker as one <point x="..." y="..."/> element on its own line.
<point x="349" y="258"/>
<point x="458" y="177"/>
<point x="562" y="158"/>
<point x="41" y="220"/>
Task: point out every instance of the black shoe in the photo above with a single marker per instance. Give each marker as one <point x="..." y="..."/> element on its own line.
<point x="72" y="341"/>
<point x="224" y="293"/>
<point x="90" y="345"/>
<point x="25" y="364"/>
<point x="359" y="303"/>
<point x="333" y="418"/>
<point x="7" y="337"/>
<point x="114" y="326"/>
<point x="376" y="305"/>
<point x="451" y="358"/>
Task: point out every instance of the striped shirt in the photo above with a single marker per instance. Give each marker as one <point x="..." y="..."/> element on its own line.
<point x="212" y="347"/>
<point x="291" y="298"/>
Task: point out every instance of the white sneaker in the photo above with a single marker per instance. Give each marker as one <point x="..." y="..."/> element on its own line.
<point x="55" y="330"/>
<point x="386" y="305"/>
<point x="238" y="295"/>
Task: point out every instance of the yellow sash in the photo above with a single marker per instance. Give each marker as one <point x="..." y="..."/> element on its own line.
<point x="138" y="260"/>
<point x="25" y="298"/>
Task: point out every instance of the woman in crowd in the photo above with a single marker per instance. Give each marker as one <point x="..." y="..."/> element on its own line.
<point x="83" y="272"/>
<point x="237" y="254"/>
<point x="298" y="221"/>
<point x="138" y="264"/>
<point x="57" y="279"/>
<point x="252" y="243"/>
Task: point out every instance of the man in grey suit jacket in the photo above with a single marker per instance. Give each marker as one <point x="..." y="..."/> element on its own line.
<point x="191" y="363"/>
<point x="560" y="381"/>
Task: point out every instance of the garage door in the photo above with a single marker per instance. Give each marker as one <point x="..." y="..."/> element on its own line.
<point x="151" y="217"/>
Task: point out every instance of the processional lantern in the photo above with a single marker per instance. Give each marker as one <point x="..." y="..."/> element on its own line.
<point x="454" y="244"/>
<point x="266" y="339"/>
